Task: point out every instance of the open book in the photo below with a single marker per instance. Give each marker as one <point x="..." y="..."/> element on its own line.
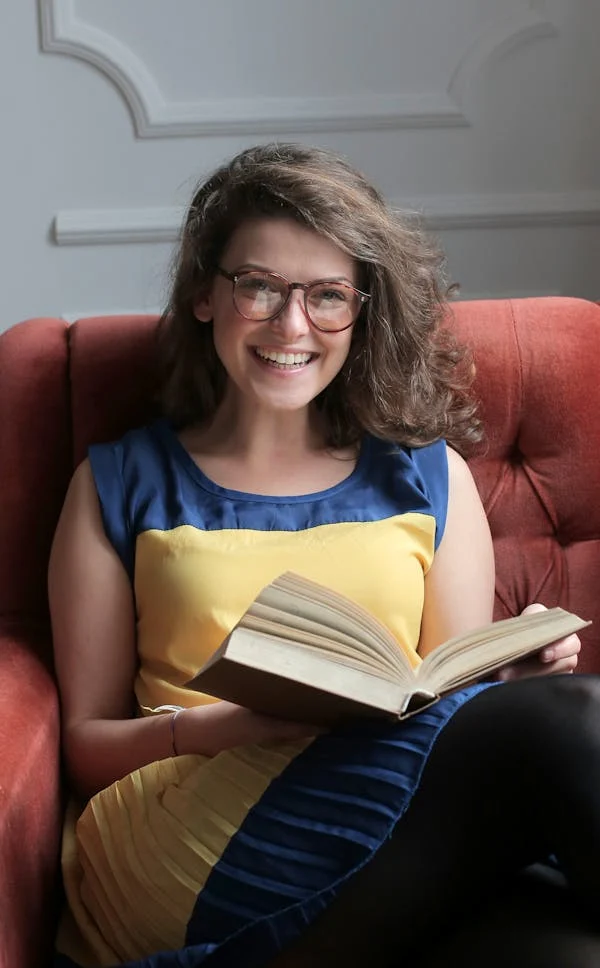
<point x="304" y="652"/>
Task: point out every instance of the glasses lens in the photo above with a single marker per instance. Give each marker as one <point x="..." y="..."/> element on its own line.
<point x="259" y="295"/>
<point x="332" y="306"/>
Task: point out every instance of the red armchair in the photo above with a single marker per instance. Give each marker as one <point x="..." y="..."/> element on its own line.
<point x="62" y="387"/>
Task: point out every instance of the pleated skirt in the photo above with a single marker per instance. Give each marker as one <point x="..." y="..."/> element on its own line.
<point x="223" y="862"/>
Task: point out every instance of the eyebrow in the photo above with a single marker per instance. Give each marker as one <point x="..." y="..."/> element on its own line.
<point x="254" y="266"/>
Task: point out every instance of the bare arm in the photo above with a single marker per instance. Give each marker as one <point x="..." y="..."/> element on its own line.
<point x="93" y="624"/>
<point x="459" y="587"/>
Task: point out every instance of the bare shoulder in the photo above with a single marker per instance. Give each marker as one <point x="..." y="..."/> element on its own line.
<point x="92" y="609"/>
<point x="462" y="489"/>
<point x="81" y="486"/>
<point x="459" y="586"/>
<point x="79" y="529"/>
<point x="83" y="561"/>
<point x="459" y="471"/>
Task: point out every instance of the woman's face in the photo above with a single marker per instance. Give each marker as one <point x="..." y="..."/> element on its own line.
<point x="281" y="363"/>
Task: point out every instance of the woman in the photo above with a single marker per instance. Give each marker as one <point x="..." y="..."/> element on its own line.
<point x="310" y="394"/>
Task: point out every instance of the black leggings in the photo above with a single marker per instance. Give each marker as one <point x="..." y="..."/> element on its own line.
<point x="513" y="778"/>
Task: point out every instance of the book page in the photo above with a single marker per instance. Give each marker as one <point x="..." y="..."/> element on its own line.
<point x="465" y="658"/>
<point x="297" y="600"/>
<point x="307" y="667"/>
<point x="299" y="596"/>
<point x="303" y="629"/>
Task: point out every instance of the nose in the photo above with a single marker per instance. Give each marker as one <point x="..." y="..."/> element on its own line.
<point x="292" y="321"/>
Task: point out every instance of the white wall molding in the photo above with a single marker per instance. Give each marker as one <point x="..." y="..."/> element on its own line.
<point x="536" y="22"/>
<point x="117" y="225"/>
<point x="515" y="210"/>
<point x="441" y="212"/>
<point x="64" y="32"/>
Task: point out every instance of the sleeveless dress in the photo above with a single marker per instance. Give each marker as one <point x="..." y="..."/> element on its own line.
<point x="223" y="861"/>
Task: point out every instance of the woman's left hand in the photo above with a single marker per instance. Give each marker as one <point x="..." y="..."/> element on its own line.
<point x="559" y="657"/>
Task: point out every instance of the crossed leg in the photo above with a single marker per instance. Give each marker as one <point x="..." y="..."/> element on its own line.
<point x="513" y="777"/>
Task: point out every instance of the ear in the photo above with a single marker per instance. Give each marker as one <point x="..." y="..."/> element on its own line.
<point x="203" y="308"/>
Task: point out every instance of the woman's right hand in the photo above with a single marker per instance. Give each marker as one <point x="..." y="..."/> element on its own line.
<point x="223" y="725"/>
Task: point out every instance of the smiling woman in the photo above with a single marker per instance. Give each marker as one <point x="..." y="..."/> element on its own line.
<point x="310" y="393"/>
<point x="403" y="377"/>
<point x="263" y="327"/>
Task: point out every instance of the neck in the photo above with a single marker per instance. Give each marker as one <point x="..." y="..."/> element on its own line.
<point x="262" y="435"/>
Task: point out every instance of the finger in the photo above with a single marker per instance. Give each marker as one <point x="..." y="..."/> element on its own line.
<point x="571" y="645"/>
<point x="534" y="607"/>
<point x="560" y="667"/>
<point x="532" y="667"/>
<point x="557" y="668"/>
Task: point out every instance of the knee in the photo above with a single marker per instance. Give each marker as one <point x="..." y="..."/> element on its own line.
<point x="548" y="711"/>
<point x="577" y="696"/>
<point x="572" y="704"/>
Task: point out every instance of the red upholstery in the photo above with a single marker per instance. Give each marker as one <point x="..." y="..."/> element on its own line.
<point x="538" y="365"/>
<point x="537" y="361"/>
<point x="35" y="463"/>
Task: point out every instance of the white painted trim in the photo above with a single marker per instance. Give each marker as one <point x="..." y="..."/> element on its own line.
<point x="515" y="30"/>
<point x="120" y="225"/>
<point x="440" y="213"/>
<point x="514" y="210"/>
<point x="62" y="32"/>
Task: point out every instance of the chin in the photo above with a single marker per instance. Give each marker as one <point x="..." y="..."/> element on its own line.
<point x="284" y="402"/>
<point x="286" y="406"/>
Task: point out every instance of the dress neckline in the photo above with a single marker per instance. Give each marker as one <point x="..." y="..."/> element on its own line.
<point x="183" y="457"/>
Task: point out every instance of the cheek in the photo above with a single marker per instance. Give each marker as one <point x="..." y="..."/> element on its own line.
<point x="229" y="337"/>
<point x="337" y="351"/>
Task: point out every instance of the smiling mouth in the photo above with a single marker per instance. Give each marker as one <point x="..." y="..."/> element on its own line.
<point x="284" y="361"/>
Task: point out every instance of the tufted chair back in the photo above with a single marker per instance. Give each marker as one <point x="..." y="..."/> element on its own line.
<point x="538" y="380"/>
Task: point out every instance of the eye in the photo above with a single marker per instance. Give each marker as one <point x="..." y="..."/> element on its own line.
<point x="256" y="284"/>
<point x="331" y="295"/>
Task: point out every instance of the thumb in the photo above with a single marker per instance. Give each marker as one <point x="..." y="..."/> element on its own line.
<point x="534" y="607"/>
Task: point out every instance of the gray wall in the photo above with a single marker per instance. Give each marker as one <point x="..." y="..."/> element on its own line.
<point x="483" y="114"/>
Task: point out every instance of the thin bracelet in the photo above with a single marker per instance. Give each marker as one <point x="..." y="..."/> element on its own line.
<point x="174" y="716"/>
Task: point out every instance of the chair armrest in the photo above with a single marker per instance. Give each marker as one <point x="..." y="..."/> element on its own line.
<point x="30" y="801"/>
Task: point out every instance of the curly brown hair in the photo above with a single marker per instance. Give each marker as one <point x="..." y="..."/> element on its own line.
<point x="405" y="379"/>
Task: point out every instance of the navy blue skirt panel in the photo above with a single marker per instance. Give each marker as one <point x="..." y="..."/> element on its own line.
<point x="317" y="824"/>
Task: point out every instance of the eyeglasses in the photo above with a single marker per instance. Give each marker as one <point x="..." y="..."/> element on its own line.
<point x="330" y="306"/>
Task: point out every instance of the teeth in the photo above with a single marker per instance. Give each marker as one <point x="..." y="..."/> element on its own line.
<point x="284" y="359"/>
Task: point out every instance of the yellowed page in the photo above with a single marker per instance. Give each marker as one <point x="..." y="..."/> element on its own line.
<point x="465" y="658"/>
<point x="303" y="628"/>
<point x="359" y="658"/>
<point x="313" y="602"/>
